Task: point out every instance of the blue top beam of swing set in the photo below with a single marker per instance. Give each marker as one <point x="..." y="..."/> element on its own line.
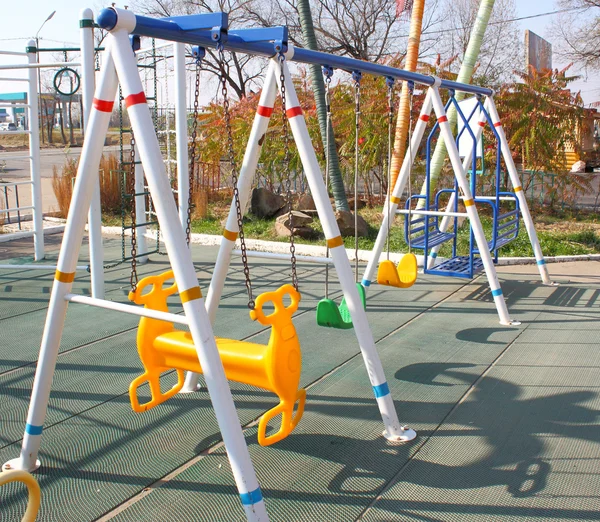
<point x="205" y="30"/>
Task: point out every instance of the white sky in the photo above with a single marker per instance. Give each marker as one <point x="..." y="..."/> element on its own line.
<point x="24" y="19"/>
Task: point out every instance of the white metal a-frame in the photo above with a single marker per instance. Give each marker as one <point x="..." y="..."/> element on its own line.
<point x="120" y="63"/>
<point x="393" y="429"/>
<point x="120" y="66"/>
<point x="434" y="102"/>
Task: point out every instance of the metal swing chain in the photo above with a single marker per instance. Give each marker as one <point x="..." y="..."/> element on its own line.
<point x="192" y="166"/>
<point x="286" y="163"/>
<point x="356" y="165"/>
<point x="133" y="279"/>
<point x="327" y="165"/>
<point x="390" y="86"/>
<point x="234" y="176"/>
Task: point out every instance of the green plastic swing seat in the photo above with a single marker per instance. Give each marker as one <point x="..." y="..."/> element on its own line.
<point x="331" y="315"/>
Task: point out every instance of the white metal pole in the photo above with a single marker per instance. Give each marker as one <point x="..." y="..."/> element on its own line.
<point x="184" y="272"/>
<point x="518" y="188"/>
<point x="66" y="266"/>
<point x="393" y="429"/>
<point x="401" y="180"/>
<point x="34" y="151"/>
<point x="86" y="23"/>
<point x="245" y="178"/>
<point x="140" y="209"/>
<point x="181" y="133"/>
<point x="461" y="177"/>
<point x="445" y="223"/>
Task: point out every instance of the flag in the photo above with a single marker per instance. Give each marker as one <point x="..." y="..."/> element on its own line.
<point x="403" y="6"/>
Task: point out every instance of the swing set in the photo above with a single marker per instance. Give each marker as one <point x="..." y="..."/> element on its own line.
<point x="428" y="230"/>
<point x="275" y="366"/>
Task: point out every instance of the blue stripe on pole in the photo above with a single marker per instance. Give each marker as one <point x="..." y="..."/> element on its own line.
<point x="33" y="430"/>
<point x="381" y="390"/>
<point x="252" y="497"/>
<point x="541" y="262"/>
<point x="496" y="293"/>
<point x="365" y="282"/>
<point x="433" y="255"/>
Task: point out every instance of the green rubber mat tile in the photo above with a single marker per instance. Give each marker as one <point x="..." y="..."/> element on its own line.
<point x="336" y="462"/>
<point x="108" y="365"/>
<point x="520" y="448"/>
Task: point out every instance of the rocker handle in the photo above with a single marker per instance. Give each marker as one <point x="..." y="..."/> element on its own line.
<point x="282" y="314"/>
<point x="157" y="282"/>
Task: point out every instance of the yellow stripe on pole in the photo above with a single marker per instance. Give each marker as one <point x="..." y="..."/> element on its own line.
<point x="395" y="200"/>
<point x="469" y="202"/>
<point x="228" y="234"/>
<point x="335" y="242"/>
<point x="64" y="277"/>
<point x="190" y="294"/>
<point x="518" y="189"/>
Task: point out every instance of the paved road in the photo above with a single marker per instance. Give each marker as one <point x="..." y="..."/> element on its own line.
<point x="18" y="170"/>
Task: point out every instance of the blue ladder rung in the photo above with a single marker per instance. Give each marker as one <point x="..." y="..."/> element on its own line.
<point x="435" y="238"/>
<point x="457" y="267"/>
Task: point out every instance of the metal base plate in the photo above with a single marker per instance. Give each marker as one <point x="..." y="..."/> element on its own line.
<point x="16" y="464"/>
<point x="407" y="435"/>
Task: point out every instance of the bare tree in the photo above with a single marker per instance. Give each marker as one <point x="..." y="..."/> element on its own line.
<point x="579" y="32"/>
<point x="363" y="29"/>
<point x="242" y="71"/>
<point x="502" y="47"/>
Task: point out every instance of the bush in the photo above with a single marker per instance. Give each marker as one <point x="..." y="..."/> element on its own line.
<point x="62" y="184"/>
<point x="110" y="184"/>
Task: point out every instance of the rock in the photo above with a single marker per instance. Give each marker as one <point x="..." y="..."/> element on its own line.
<point x="264" y="203"/>
<point x="345" y="221"/>
<point x="578" y="166"/>
<point x="300" y="222"/>
<point x="304" y="232"/>
<point x="306" y="202"/>
<point x="311" y="213"/>
<point x="299" y="219"/>
<point x="361" y="203"/>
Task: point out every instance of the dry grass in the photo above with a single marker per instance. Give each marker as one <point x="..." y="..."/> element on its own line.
<point x="62" y="184"/>
<point x="110" y="184"/>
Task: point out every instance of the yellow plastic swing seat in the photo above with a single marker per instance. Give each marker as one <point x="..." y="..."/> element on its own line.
<point x="403" y="276"/>
<point x="275" y="366"/>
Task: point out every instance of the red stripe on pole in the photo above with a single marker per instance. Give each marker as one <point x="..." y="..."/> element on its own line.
<point x="442" y="119"/>
<point x="498" y="124"/>
<point x="424" y="117"/>
<point x="103" y="105"/>
<point x="294" y="111"/>
<point x="134" y="99"/>
<point x="482" y="123"/>
<point x="264" y="111"/>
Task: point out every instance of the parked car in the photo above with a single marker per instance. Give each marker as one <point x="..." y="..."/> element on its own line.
<point x="12" y="127"/>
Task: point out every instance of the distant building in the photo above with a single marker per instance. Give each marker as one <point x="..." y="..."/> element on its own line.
<point x="16" y="114"/>
<point x="538" y="52"/>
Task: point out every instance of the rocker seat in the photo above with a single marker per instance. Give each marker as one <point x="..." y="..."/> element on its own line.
<point x="275" y="366"/>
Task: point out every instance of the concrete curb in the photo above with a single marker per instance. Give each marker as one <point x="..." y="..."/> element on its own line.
<point x="363" y="255"/>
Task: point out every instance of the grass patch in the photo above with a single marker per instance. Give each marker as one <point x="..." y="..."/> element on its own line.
<point x="559" y="234"/>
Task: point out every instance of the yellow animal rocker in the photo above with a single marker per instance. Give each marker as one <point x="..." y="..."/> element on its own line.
<point x="274" y="367"/>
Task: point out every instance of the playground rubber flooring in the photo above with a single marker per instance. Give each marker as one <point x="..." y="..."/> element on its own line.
<point x="507" y="418"/>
